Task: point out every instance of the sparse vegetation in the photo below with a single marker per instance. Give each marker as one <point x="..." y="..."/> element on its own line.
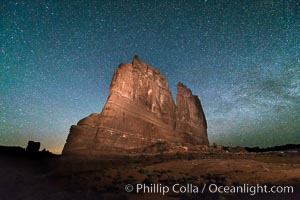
<point x="111" y="176"/>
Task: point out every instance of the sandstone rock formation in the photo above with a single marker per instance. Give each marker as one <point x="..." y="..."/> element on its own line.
<point x="139" y="112"/>
<point x="33" y="147"/>
<point x="190" y="118"/>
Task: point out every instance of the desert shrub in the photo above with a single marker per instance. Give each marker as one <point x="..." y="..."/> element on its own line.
<point x="143" y="171"/>
<point x="150" y="179"/>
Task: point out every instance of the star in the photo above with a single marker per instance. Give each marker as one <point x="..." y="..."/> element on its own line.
<point x="241" y="58"/>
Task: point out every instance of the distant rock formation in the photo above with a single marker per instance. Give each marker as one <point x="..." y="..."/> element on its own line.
<point x="139" y="112"/>
<point x="31" y="151"/>
<point x="33" y="147"/>
<point x="282" y="148"/>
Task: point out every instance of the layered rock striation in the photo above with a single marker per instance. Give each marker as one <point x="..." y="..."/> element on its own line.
<point x="140" y="111"/>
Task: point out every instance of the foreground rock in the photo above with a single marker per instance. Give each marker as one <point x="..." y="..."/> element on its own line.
<point x="139" y="112"/>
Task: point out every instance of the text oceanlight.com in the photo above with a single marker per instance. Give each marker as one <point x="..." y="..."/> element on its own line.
<point x="210" y="188"/>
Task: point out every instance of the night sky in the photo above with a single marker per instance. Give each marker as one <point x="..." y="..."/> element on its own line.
<point x="242" y="58"/>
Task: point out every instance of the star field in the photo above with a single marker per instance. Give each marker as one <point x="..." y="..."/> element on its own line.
<point x="242" y="59"/>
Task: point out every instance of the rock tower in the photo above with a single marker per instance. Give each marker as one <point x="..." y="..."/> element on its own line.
<point x="139" y="112"/>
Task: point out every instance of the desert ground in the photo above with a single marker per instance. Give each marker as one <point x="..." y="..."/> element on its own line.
<point x="105" y="177"/>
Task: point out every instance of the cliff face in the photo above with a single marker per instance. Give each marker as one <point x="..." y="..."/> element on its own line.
<point x="190" y="118"/>
<point x="139" y="111"/>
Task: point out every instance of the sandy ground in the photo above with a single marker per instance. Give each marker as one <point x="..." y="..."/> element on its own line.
<point x="62" y="178"/>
